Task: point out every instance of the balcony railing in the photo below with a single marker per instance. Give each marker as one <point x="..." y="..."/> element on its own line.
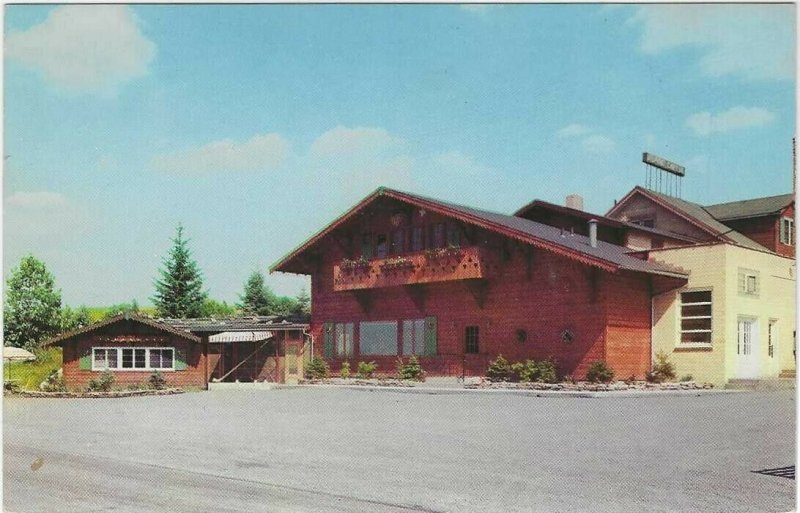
<point x="430" y="266"/>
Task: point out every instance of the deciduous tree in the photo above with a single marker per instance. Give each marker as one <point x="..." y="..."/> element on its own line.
<point x="32" y="309"/>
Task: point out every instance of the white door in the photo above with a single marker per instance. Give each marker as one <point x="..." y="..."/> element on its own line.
<point x="747" y="349"/>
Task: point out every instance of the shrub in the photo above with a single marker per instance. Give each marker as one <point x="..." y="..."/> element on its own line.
<point x="524" y="372"/>
<point x="411" y="370"/>
<point x="317" y="368"/>
<point x="10" y="386"/>
<point x="687" y="377"/>
<point x="157" y="381"/>
<point x="366" y="370"/>
<point x="663" y="369"/>
<point x="499" y="369"/>
<point x="344" y="372"/>
<point x="103" y="383"/>
<point x="546" y="371"/>
<point x="54" y="382"/>
<point x="599" y="372"/>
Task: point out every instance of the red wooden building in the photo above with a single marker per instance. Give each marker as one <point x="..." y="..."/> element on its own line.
<point x="401" y="274"/>
<point x="187" y="352"/>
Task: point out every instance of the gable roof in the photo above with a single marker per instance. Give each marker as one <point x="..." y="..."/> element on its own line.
<point x="695" y="214"/>
<point x="121" y="318"/>
<point x="239" y="324"/>
<point x="770" y="205"/>
<point x="608" y="221"/>
<point x="609" y="257"/>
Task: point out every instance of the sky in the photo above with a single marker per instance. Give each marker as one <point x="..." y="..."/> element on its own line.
<point x="256" y="125"/>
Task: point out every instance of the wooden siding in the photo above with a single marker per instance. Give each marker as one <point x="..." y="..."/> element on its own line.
<point x="532" y="290"/>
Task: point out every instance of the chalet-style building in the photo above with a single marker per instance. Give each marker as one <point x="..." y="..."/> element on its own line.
<point x="188" y="352"/>
<point x="401" y="274"/>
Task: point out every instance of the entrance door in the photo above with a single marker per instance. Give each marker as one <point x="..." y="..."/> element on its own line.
<point x="747" y="353"/>
<point x="293" y="367"/>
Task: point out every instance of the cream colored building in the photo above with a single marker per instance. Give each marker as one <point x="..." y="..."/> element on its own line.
<point x="734" y="319"/>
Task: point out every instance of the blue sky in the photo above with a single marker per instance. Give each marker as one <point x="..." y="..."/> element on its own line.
<point x="256" y="125"/>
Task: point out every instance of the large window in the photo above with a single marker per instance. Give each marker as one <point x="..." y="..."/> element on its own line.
<point x="787" y="230"/>
<point x="133" y="358"/>
<point x="344" y="339"/>
<point x="377" y="338"/>
<point x="414" y="337"/>
<point x="696" y="317"/>
<point x="471" y="340"/>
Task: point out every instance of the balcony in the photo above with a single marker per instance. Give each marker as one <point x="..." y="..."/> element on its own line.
<point x="446" y="264"/>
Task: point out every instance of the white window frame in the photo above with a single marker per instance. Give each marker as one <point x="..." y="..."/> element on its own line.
<point x="119" y="367"/>
<point x="681" y="317"/>
<point x="789" y="238"/>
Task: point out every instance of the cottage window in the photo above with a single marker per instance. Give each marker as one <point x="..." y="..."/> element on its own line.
<point x="344" y="339"/>
<point x="438" y="235"/>
<point x="417" y="239"/>
<point x="414" y="337"/>
<point x="377" y="338"/>
<point x="366" y="245"/>
<point x="127" y="358"/>
<point x="696" y="317"/>
<point x="748" y="281"/>
<point x="398" y="241"/>
<point x="381" y="246"/>
<point x="787" y="231"/>
<point x="471" y="340"/>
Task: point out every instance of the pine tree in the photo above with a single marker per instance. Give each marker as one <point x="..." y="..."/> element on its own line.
<point x="257" y="299"/>
<point x="32" y="308"/>
<point x="179" y="291"/>
<point x="72" y="319"/>
<point x="303" y="303"/>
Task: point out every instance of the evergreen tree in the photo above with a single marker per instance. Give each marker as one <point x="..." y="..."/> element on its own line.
<point x="218" y="309"/>
<point x="72" y="319"/>
<point x="303" y="300"/>
<point x="32" y="308"/>
<point x="257" y="299"/>
<point x="179" y="291"/>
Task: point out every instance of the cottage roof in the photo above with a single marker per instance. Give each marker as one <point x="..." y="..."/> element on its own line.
<point x="756" y="207"/>
<point x="604" y="255"/>
<point x="695" y="214"/>
<point x="122" y="318"/>
<point x="250" y="323"/>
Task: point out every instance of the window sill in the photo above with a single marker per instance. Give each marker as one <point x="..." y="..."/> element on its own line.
<point x="693" y="347"/>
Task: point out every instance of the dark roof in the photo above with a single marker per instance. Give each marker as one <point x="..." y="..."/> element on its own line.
<point x="750" y="208"/>
<point x="122" y="318"/>
<point x="254" y="323"/>
<point x="608" y="221"/>
<point x="702" y="218"/>
<point x="605" y="255"/>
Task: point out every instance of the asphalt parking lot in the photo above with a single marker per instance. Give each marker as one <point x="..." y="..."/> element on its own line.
<point x="348" y="450"/>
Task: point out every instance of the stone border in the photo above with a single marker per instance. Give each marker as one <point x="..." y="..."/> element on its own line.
<point x="358" y="382"/>
<point x="585" y="386"/>
<point x="94" y="395"/>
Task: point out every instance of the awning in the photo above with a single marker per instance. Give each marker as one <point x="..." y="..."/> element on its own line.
<point x="17" y="354"/>
<point x="240" y="336"/>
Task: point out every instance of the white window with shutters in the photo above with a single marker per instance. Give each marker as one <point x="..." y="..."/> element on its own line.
<point x="787" y="231"/>
<point x="133" y="358"/>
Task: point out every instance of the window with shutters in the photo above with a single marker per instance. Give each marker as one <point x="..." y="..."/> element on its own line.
<point x="344" y="339"/>
<point x="377" y="338"/>
<point x="413" y="337"/>
<point x="696" y="317"/>
<point x="417" y="238"/>
<point x="398" y="241"/>
<point x="787" y="231"/>
<point x="471" y="340"/>
<point x="130" y="358"/>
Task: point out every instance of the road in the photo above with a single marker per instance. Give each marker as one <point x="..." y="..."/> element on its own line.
<point x="309" y="450"/>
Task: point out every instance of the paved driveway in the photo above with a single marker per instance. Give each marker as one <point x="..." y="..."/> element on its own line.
<point x="350" y="450"/>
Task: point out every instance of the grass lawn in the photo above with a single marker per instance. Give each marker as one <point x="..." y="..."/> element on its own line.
<point x="30" y="374"/>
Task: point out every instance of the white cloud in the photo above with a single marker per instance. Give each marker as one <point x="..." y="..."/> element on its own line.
<point x="755" y="42"/>
<point x="84" y="47"/>
<point x="598" y="144"/>
<point x="261" y="152"/>
<point x="36" y="200"/>
<point x="342" y="141"/>
<point x="706" y="123"/>
<point x="573" y="130"/>
<point x="458" y="163"/>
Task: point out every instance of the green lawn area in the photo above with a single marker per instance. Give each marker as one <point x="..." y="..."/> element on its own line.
<point x="30" y="374"/>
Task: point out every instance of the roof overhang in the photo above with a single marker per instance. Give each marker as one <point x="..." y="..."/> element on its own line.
<point x="284" y="264"/>
<point x="240" y="336"/>
<point x="60" y="339"/>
